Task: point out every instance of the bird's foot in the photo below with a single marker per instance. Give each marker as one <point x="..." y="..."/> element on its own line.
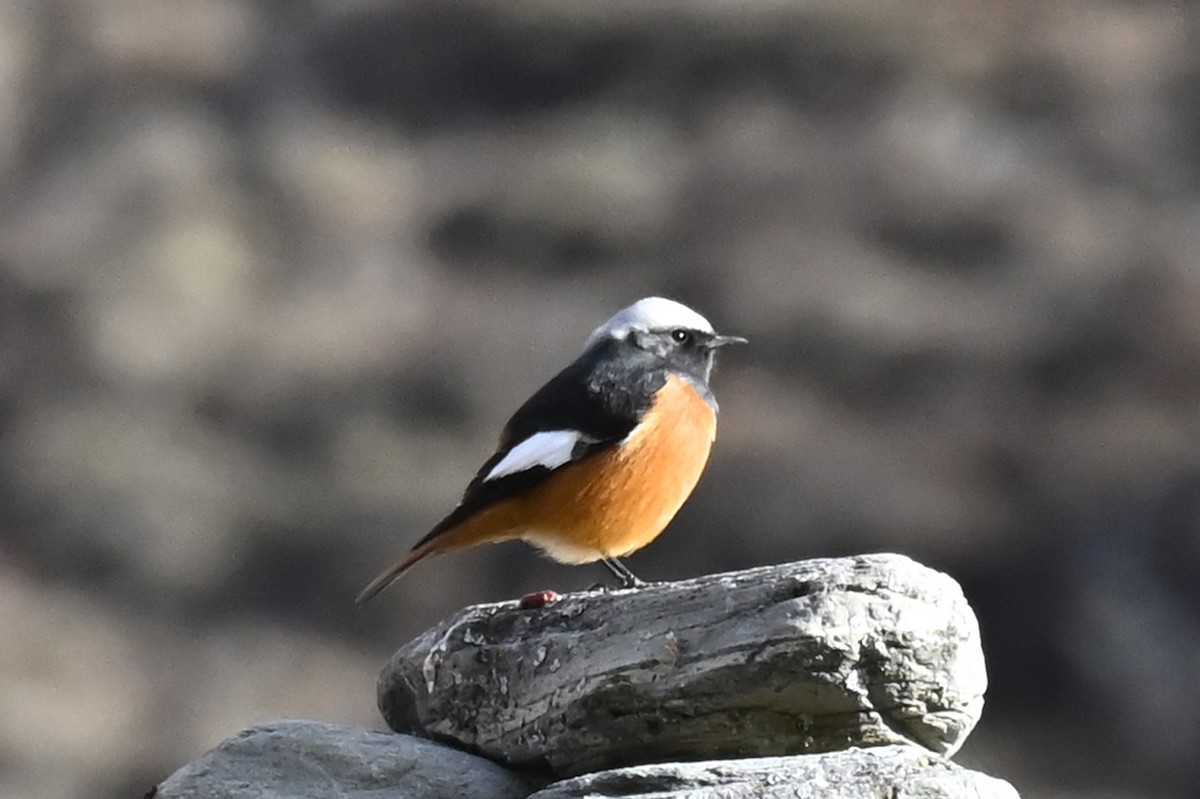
<point x="621" y="572"/>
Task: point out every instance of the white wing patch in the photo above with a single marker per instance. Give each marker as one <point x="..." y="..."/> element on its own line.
<point x="549" y="450"/>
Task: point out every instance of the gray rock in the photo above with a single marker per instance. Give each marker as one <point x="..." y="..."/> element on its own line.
<point x="297" y="759"/>
<point x="888" y="771"/>
<point x="791" y="659"/>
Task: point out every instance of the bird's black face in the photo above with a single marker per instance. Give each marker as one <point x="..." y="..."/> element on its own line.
<point x="683" y="349"/>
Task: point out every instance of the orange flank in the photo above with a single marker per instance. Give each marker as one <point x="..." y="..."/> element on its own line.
<point x="618" y="502"/>
<point x="605" y="506"/>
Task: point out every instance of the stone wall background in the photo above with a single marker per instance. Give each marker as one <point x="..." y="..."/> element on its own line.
<point x="273" y="274"/>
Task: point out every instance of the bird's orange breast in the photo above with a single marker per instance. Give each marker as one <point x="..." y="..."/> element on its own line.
<point x="617" y="502"/>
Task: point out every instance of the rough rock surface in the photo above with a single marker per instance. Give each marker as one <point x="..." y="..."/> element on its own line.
<point x="804" y="657"/>
<point x="893" y="771"/>
<point x="294" y="759"/>
<point x="297" y="759"/>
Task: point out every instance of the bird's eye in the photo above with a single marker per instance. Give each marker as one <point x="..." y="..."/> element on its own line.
<point x="681" y="336"/>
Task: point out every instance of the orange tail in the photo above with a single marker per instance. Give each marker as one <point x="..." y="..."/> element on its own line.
<point x="397" y="570"/>
<point x="486" y="527"/>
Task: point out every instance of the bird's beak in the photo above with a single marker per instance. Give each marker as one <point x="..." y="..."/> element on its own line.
<point x="721" y="341"/>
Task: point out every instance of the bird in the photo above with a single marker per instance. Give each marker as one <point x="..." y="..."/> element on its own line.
<point x="599" y="460"/>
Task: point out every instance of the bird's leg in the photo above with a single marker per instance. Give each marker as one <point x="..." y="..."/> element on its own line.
<point x="628" y="579"/>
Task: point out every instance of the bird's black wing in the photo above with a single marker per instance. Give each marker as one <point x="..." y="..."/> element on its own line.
<point x="601" y="396"/>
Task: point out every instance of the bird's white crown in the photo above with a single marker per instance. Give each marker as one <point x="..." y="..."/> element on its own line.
<point x="650" y="313"/>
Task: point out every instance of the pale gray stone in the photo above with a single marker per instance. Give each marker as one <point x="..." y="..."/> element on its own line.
<point x="310" y="759"/>
<point x="797" y="658"/>
<point x="887" y="771"/>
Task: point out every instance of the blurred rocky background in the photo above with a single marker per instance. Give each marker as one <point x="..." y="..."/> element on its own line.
<point x="273" y="275"/>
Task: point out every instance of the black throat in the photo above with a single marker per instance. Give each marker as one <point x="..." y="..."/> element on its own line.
<point x="628" y="372"/>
